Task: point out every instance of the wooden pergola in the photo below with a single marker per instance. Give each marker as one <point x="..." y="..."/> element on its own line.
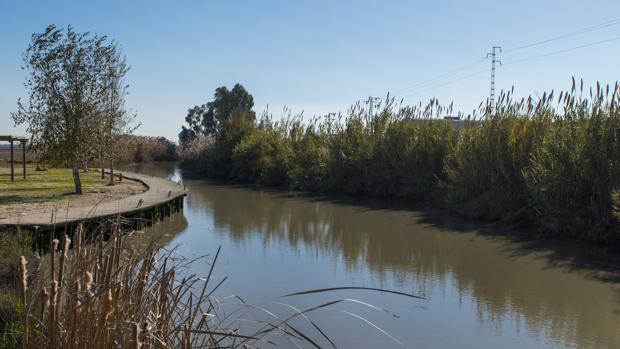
<point x="23" y="141"/>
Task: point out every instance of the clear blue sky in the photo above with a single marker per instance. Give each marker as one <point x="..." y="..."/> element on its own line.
<point x="318" y="56"/>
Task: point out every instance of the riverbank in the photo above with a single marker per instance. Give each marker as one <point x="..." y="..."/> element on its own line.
<point x="549" y="164"/>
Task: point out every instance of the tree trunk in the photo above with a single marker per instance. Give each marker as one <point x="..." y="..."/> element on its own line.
<point x="85" y="164"/>
<point x="111" y="173"/>
<point x="76" y="178"/>
<point x="102" y="171"/>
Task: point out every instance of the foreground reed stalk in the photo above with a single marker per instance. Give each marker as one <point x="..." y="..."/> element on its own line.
<point x="107" y="294"/>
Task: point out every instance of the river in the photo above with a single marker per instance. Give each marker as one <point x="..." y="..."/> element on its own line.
<point x="481" y="289"/>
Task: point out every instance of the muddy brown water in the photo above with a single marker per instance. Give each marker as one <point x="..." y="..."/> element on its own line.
<point x="481" y="289"/>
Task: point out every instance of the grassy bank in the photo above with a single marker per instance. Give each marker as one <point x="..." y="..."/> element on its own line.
<point x="551" y="162"/>
<point x="44" y="185"/>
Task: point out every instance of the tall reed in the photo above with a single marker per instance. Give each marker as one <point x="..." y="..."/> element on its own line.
<point x="125" y="292"/>
<point x="550" y="161"/>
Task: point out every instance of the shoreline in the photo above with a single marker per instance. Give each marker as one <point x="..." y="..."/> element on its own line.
<point x="517" y="231"/>
<point x="161" y="195"/>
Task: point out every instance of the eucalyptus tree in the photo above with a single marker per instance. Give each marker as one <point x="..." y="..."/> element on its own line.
<point x="75" y="103"/>
<point x="208" y="119"/>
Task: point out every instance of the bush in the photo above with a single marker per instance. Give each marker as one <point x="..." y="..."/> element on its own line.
<point x="262" y="156"/>
<point x="193" y="155"/>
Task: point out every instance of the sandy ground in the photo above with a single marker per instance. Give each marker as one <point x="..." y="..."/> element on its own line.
<point x="89" y="198"/>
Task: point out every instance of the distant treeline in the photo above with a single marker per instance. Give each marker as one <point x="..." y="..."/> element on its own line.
<point x="5" y="153"/>
<point x="552" y="163"/>
<point x="145" y="149"/>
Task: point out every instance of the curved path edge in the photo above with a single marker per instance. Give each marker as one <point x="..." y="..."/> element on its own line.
<point x="159" y="192"/>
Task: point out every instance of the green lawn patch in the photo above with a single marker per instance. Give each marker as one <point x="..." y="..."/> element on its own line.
<point x="44" y="185"/>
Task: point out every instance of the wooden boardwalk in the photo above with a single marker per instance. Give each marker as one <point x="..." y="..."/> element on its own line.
<point x="160" y="194"/>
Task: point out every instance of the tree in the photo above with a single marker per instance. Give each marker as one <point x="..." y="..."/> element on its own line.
<point x="208" y="119"/>
<point x="115" y="119"/>
<point x="186" y="136"/>
<point x="75" y="96"/>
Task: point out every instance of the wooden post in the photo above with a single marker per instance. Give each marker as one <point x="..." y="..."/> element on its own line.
<point x="111" y="173"/>
<point x="76" y="177"/>
<point x="24" y="159"/>
<point x="12" y="167"/>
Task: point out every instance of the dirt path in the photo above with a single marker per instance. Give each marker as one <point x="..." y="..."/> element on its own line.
<point x="161" y="193"/>
<point x="90" y="197"/>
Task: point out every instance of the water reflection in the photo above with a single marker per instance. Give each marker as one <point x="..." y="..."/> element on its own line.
<point x="514" y="291"/>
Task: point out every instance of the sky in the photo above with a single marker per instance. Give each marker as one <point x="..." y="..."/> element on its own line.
<point x="318" y="57"/>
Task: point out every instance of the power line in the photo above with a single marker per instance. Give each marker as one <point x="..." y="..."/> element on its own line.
<point x="563" y="51"/>
<point x="423" y="89"/>
<point x="430" y="84"/>
<point x="439" y="77"/>
<point x="603" y="25"/>
<point x="447" y="83"/>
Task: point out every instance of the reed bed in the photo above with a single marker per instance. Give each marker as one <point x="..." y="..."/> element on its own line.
<point x="120" y="291"/>
<point x="549" y="162"/>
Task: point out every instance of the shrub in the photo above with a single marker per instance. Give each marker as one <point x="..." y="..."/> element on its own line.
<point x="262" y="156"/>
<point x="132" y="148"/>
<point x="193" y="155"/>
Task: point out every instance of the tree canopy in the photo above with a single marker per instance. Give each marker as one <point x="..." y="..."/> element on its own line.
<point x="76" y="92"/>
<point x="208" y="119"/>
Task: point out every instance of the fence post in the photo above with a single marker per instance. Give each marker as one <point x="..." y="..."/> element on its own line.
<point x="24" y="159"/>
<point x="12" y="163"/>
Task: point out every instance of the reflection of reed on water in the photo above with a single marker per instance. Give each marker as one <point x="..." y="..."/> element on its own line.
<point x="398" y="244"/>
<point x="504" y="280"/>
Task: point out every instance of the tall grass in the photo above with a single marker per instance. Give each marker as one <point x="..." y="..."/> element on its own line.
<point x="485" y="167"/>
<point x="12" y="246"/>
<point x="551" y="162"/>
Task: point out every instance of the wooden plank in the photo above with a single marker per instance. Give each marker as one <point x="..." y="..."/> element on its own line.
<point x="8" y="138"/>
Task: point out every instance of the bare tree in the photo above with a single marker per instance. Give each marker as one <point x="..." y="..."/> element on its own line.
<point x="70" y="112"/>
